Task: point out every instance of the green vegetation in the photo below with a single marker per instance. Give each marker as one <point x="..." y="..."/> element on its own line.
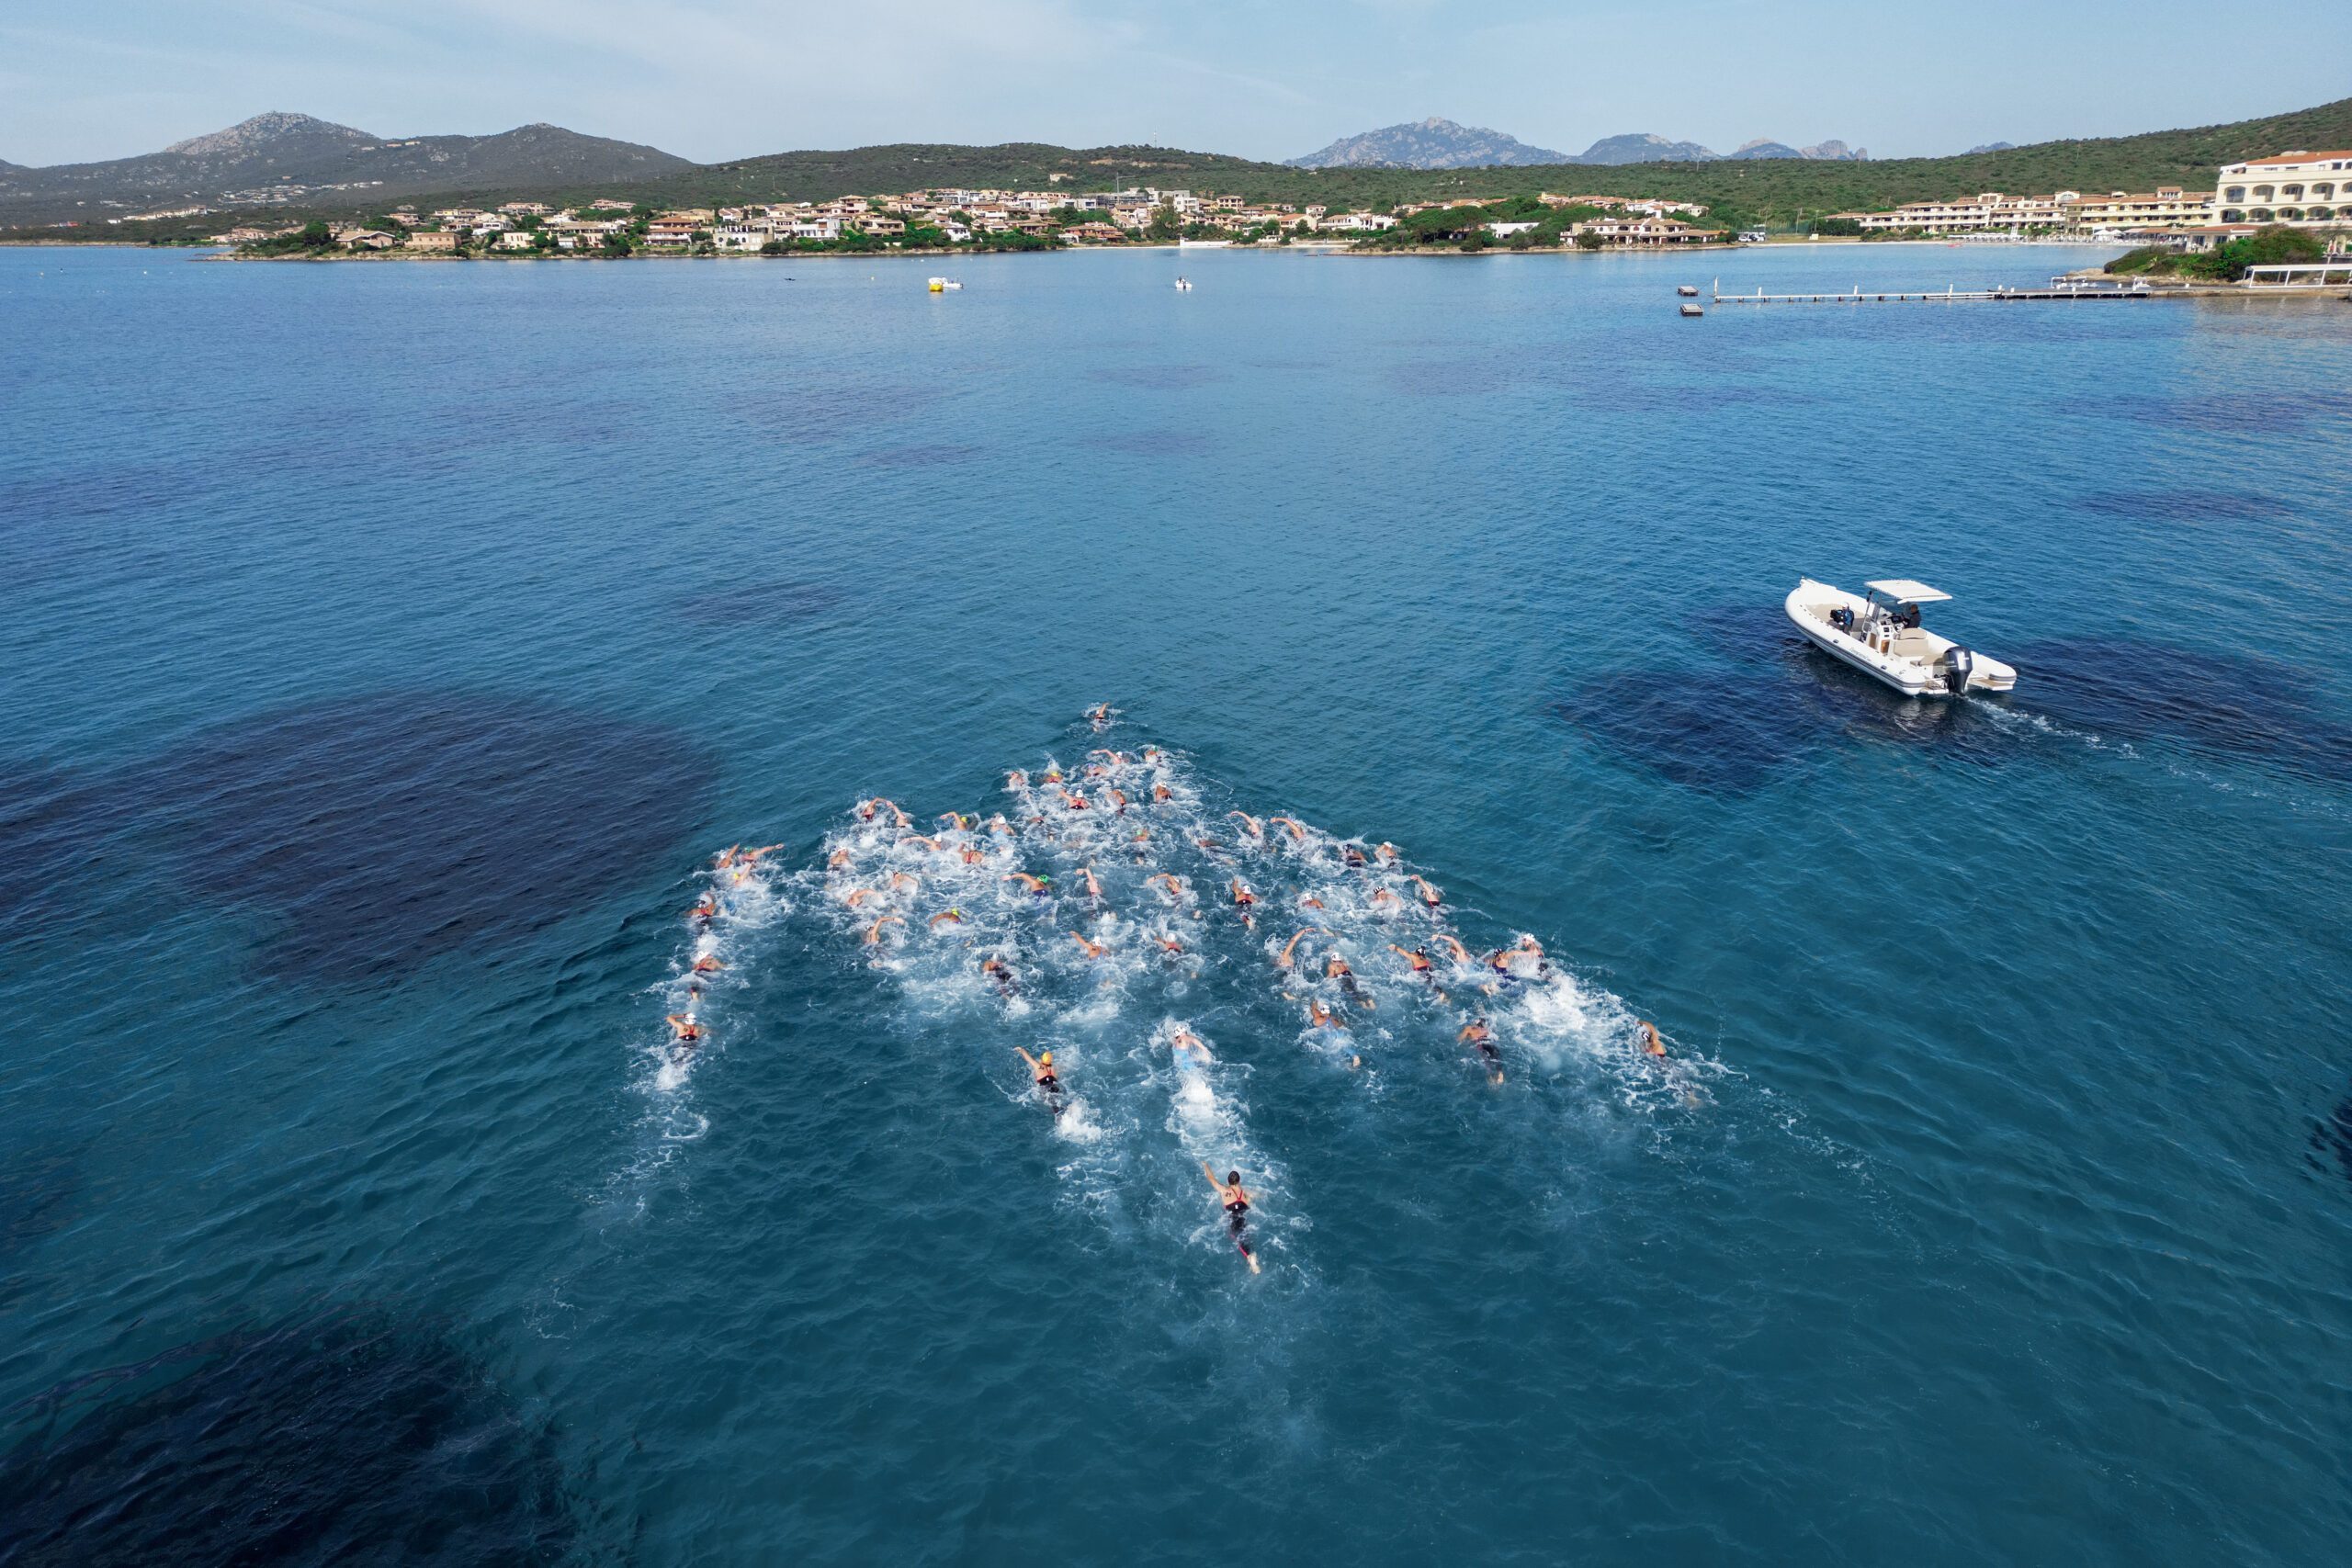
<point x="2273" y="246"/>
<point x="1744" y="193"/>
<point x="1789" y="193"/>
<point x="313" y="238"/>
<point x="1463" y="226"/>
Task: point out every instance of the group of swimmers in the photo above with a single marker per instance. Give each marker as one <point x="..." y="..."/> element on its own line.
<point x="729" y="869"/>
<point x="1093" y="813"/>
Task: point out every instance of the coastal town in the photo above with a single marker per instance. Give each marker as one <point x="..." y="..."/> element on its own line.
<point x="950" y="218"/>
<point x="2298" y="189"/>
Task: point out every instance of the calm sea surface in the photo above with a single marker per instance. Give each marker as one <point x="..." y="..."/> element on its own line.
<point x="388" y="650"/>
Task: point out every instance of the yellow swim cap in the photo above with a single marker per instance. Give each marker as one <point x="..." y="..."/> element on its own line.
<point x="1047" y="1058"/>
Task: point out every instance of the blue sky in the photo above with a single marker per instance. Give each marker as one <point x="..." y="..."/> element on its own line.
<point x="712" y="79"/>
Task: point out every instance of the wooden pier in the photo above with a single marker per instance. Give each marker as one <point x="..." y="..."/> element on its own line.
<point x="2060" y="288"/>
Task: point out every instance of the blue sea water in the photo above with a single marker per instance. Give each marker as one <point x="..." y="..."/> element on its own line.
<point x="389" y="648"/>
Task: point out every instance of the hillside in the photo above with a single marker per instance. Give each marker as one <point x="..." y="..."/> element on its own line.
<point x="1427" y="144"/>
<point x="1780" y="189"/>
<point x="296" y="158"/>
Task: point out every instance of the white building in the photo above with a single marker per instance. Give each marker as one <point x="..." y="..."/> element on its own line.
<point x="2166" y="207"/>
<point x="2301" y="188"/>
<point x="1986" y="209"/>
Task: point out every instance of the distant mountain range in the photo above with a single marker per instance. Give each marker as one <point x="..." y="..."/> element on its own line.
<point x="1443" y="144"/>
<point x="291" y="158"/>
<point x="545" y="163"/>
<point x="1429" y="144"/>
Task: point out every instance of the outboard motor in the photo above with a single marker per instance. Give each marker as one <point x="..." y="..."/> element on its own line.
<point x="1958" y="662"/>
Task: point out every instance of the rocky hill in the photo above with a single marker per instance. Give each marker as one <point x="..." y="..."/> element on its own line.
<point x="1429" y="144"/>
<point x="292" y="159"/>
<point x="1641" y="148"/>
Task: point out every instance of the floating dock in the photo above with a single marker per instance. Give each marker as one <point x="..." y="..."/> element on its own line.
<point x="2060" y="288"/>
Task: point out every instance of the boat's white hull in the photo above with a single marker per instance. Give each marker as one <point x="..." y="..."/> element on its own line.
<point x="1807" y="605"/>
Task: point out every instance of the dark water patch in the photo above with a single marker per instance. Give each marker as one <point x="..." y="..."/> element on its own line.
<point x="1620" y="395"/>
<point x="920" y="456"/>
<point x="1748" y="633"/>
<point x="1160" y="377"/>
<point x="378" y="832"/>
<point x="41" y="1191"/>
<point x="1838" y="698"/>
<point x="54" y="828"/>
<point x="1729" y="731"/>
<point x="45" y="502"/>
<point x="2227" y="414"/>
<point x="1457" y="377"/>
<point x="834" y="408"/>
<point x="1691" y="728"/>
<point x="782" y="601"/>
<point x="338" y="1437"/>
<point x="2332" y="1141"/>
<point x="1154" y="443"/>
<point x="2185" y="506"/>
<point x="1833" y="697"/>
<point x="2228" y="703"/>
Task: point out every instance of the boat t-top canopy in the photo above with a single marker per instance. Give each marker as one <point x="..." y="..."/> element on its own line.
<point x="1904" y="590"/>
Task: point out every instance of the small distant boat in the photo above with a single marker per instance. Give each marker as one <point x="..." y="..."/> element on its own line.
<point x="942" y="284"/>
<point x="1881" y="635"/>
<point x="1687" y="290"/>
<point x="1185" y="285"/>
<point x="1204" y="244"/>
<point x="1694" y="309"/>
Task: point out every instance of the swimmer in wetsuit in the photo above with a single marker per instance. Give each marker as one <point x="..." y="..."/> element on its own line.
<point x="1335" y="968"/>
<point x="1041" y="1069"/>
<point x="1235" y="1199"/>
<point x="1475" y="1033"/>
